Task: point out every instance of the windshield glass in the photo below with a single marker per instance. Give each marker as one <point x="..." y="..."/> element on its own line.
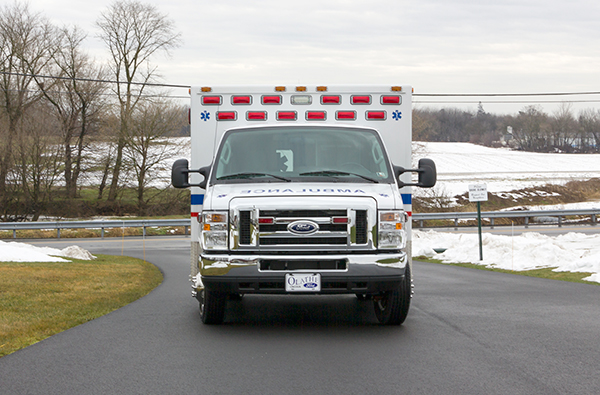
<point x="301" y="154"/>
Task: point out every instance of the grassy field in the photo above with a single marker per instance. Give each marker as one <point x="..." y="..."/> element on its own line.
<point x="541" y="273"/>
<point x="38" y="300"/>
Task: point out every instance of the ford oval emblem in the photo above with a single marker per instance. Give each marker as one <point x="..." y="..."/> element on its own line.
<point x="303" y="227"/>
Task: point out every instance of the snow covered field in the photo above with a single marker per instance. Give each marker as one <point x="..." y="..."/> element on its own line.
<point x="503" y="170"/>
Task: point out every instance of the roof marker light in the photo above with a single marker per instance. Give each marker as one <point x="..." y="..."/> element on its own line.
<point x="206" y="89"/>
<point x="396" y="89"/>
<point x="300" y="89"/>
<point x="280" y="89"/>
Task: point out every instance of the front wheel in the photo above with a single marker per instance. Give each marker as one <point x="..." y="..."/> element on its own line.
<point x="212" y="306"/>
<point x="391" y="307"/>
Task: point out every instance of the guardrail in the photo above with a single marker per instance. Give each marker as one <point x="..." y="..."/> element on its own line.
<point x="420" y="218"/>
<point x="98" y="224"/>
<point x="552" y="216"/>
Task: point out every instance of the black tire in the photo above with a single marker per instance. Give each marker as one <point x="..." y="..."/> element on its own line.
<point x="391" y="307"/>
<point x="212" y="306"/>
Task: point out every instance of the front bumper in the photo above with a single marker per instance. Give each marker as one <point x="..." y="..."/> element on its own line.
<point x="343" y="273"/>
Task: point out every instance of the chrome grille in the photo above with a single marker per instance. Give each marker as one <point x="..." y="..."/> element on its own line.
<point x="260" y="225"/>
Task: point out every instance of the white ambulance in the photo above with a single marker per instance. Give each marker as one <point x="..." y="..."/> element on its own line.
<point x="301" y="190"/>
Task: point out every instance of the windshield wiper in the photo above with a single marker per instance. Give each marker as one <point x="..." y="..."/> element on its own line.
<point x="251" y="175"/>
<point x="333" y="173"/>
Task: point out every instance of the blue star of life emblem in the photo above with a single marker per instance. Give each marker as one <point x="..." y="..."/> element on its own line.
<point x="396" y="115"/>
<point x="205" y="116"/>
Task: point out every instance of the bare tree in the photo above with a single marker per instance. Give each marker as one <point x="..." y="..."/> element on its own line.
<point x="589" y="122"/>
<point x="563" y="128"/>
<point x="37" y="161"/>
<point x="133" y="32"/>
<point x="26" y="43"/>
<point x="423" y="122"/>
<point x="530" y="129"/>
<point x="148" y="148"/>
<point x="77" y="99"/>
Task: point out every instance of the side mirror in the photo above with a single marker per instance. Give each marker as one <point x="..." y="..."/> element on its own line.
<point x="427" y="174"/>
<point x="179" y="174"/>
<point x="180" y="171"/>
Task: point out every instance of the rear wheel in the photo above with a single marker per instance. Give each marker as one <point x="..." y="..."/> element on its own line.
<point x="391" y="307"/>
<point x="212" y="306"/>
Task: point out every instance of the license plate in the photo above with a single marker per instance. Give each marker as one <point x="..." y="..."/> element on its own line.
<point x="303" y="282"/>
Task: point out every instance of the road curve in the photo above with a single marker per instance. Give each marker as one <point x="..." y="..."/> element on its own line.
<point x="468" y="332"/>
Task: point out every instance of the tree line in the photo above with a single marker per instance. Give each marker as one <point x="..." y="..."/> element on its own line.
<point x="57" y="133"/>
<point x="530" y="130"/>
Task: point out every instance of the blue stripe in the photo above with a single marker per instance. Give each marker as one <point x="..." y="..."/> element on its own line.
<point x="406" y="198"/>
<point x="197" y="199"/>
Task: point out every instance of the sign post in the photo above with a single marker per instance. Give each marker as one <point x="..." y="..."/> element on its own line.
<point x="478" y="193"/>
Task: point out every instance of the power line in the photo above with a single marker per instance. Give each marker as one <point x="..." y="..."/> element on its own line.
<point x="501" y="102"/>
<point x="504" y="94"/>
<point x="92" y="80"/>
<point x="415" y="94"/>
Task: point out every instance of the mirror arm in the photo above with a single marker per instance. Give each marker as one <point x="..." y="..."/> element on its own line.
<point x="205" y="171"/>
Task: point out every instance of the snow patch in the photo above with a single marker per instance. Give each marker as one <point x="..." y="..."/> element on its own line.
<point x="572" y="252"/>
<point x="21" y="252"/>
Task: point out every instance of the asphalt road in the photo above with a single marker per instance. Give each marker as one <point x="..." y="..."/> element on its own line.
<point x="468" y="332"/>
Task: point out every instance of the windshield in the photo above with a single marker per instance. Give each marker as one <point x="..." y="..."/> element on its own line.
<point x="301" y="154"/>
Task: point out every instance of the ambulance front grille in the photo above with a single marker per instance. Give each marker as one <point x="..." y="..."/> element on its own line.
<point x="273" y="228"/>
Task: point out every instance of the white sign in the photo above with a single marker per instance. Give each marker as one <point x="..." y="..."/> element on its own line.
<point x="478" y="193"/>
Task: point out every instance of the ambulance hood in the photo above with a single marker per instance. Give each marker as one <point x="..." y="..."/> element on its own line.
<point x="219" y="196"/>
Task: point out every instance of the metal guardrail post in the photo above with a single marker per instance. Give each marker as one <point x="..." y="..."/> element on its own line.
<point x="559" y="221"/>
<point x="593" y="219"/>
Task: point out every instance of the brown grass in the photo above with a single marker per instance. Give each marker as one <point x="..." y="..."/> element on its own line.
<point x="38" y="300"/>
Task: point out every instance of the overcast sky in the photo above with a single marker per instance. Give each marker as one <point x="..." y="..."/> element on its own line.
<point x="437" y="46"/>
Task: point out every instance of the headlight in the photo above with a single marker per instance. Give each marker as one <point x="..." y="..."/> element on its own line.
<point x="214" y="230"/>
<point x="391" y="233"/>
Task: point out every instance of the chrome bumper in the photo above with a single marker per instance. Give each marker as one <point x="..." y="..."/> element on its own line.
<point x="357" y="273"/>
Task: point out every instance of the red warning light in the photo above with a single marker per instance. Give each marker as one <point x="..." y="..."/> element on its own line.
<point x="226" y="115"/>
<point x="272" y="99"/>
<point x="212" y="100"/>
